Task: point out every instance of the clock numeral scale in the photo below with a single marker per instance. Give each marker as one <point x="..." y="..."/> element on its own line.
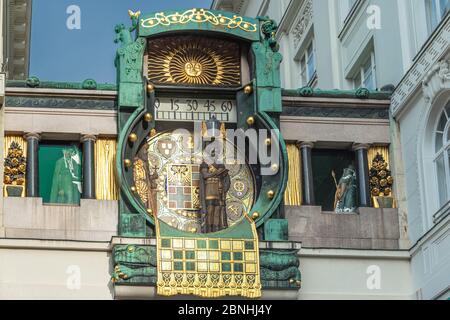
<point x="187" y="109"/>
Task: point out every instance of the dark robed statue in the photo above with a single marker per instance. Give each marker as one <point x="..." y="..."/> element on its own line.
<point x="214" y="185"/>
<point x="345" y="201"/>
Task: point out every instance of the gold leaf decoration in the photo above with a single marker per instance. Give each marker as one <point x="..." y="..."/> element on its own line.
<point x="199" y="16"/>
<point x="194" y="60"/>
<point x="15" y="165"/>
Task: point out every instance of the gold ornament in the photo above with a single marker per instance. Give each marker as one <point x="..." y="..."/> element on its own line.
<point x="250" y="121"/>
<point x="255" y="215"/>
<point x="127" y="163"/>
<point x="134" y="15"/>
<point x="133" y="137"/>
<point x="150" y="88"/>
<point x="375" y="192"/>
<point x="390" y="180"/>
<point x="195" y="61"/>
<point x="248" y="89"/>
<point x="270" y="194"/>
<point x="148" y="117"/>
<point x="268" y="142"/>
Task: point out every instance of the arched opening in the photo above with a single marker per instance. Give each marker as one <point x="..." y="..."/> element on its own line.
<point x="435" y="154"/>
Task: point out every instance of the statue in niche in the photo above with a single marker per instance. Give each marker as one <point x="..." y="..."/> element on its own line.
<point x="214" y="185"/>
<point x="214" y="180"/>
<point x="345" y="197"/>
<point x="66" y="184"/>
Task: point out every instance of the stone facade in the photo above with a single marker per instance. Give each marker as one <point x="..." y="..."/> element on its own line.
<point x="346" y="36"/>
<point x="91" y="226"/>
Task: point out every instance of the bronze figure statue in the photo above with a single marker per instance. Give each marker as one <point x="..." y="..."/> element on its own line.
<point x="345" y="197"/>
<point x="214" y="185"/>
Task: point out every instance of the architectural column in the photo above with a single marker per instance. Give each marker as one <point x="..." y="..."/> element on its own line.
<point x="32" y="171"/>
<point x="307" y="174"/>
<point x="88" y="142"/>
<point x="362" y="173"/>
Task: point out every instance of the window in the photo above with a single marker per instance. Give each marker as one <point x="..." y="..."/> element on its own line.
<point x="60" y="168"/>
<point x="308" y="65"/>
<point x="442" y="156"/>
<point x="365" y="76"/>
<point x="436" y="10"/>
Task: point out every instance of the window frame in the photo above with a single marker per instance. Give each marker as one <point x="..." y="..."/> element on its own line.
<point x="361" y="73"/>
<point x="444" y="151"/>
<point x="306" y="78"/>
<point x="434" y="13"/>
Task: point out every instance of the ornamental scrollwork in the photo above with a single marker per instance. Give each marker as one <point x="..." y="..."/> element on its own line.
<point x="199" y="16"/>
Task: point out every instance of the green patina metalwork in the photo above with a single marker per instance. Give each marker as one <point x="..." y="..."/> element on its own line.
<point x="203" y="20"/>
<point x="361" y="93"/>
<point x="265" y="103"/>
<point x="27" y="101"/>
<point x="135" y="264"/>
<point x="280" y="269"/>
<point x="34" y="82"/>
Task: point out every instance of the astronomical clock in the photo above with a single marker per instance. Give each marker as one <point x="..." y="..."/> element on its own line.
<point x="201" y="164"/>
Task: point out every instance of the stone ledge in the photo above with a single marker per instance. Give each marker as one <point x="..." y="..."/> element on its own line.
<point x="124" y="292"/>
<point x="370" y="229"/>
<point x="29" y="218"/>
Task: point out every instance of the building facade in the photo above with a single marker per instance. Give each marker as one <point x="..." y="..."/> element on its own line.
<point x="342" y="220"/>
<point x="383" y="44"/>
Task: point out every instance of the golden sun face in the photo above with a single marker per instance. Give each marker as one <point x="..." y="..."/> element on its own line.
<point x="194" y="61"/>
<point x="193" y="69"/>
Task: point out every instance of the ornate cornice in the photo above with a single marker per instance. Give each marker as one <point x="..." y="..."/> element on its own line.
<point x="437" y="46"/>
<point x="60" y="102"/>
<point x="305" y="20"/>
<point x="437" y="80"/>
<point x="337" y="112"/>
<point x="18" y="25"/>
<point x="88" y="84"/>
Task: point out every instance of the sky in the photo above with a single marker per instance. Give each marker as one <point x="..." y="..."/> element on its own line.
<point x="60" y="53"/>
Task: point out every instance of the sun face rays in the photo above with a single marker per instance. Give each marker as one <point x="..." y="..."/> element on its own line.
<point x="194" y="61"/>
